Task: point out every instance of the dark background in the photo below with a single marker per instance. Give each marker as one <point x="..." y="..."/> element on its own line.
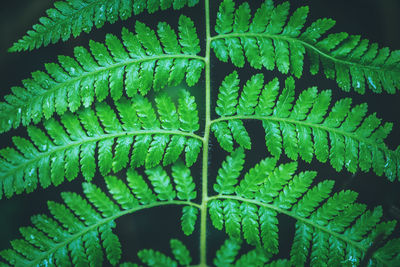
<point x="377" y="21"/>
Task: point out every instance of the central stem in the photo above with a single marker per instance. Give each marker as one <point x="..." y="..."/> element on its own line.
<point x="204" y="197"/>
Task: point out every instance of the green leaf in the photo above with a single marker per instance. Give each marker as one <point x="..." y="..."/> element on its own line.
<point x="229" y="172"/>
<point x="140" y="188"/>
<point x="187" y="110"/>
<point x="180" y="252"/>
<point x="225" y="17"/>
<point x="188" y="219"/>
<point x="184" y="181"/>
<point x="106" y="141"/>
<point x="274" y="35"/>
<point x="255" y="178"/>
<point x="188" y="37"/>
<point x="155" y="258"/>
<point x="161" y="183"/>
<point x="216" y="213"/>
<point x="120" y="192"/>
<point x="250" y="223"/>
<point x="231" y="209"/>
<point x="239" y="133"/>
<point x="192" y="151"/>
<point x="227" y="95"/>
<point x="227" y="252"/>
<point x="249" y="95"/>
<point x="306" y="126"/>
<point x="223" y="135"/>
<point x="132" y="64"/>
<point x="100" y="200"/>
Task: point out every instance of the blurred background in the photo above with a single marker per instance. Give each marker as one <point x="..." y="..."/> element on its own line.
<point x="377" y="21"/>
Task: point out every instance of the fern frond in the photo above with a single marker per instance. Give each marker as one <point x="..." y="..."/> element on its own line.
<point x="274" y="37"/>
<point x="229" y="172"/>
<point x="155" y="258"/>
<point x="305" y="126"/>
<point x="180" y="251"/>
<point x="329" y="228"/>
<point x="74" y="17"/>
<point x="140" y="62"/>
<point x="188" y="219"/>
<point x="102" y="139"/>
<point x="79" y="232"/>
<point x="227" y="253"/>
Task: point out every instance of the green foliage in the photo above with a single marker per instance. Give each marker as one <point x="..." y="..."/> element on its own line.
<point x="138" y="63"/>
<point x="274" y="37"/>
<point x="257" y="257"/>
<point x="73" y="145"/>
<point x="72" y="17"/>
<point x="330" y="228"/>
<point x="82" y="227"/>
<point x="304" y="127"/>
<point x="94" y="115"/>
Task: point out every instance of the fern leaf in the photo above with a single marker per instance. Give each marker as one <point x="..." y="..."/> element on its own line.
<point x="269" y="229"/>
<point x="184" y="181"/>
<point x="389" y="253"/>
<point x="278" y="178"/>
<point x="81" y="240"/>
<point x="155" y="258"/>
<point x="223" y="135"/>
<point x="329" y="229"/>
<point x="250" y="223"/>
<point x="229" y="172"/>
<point x="240" y="134"/>
<point x="120" y="192"/>
<point x="188" y="220"/>
<point x="74" y="17"/>
<point x="227" y="95"/>
<point x="192" y="151"/>
<point x="100" y="200"/>
<point x="180" y="251"/>
<point x="307" y="126"/>
<point x="227" y="252"/>
<point x="255" y="257"/>
<point x="140" y="188"/>
<point x="63" y="149"/>
<point x="276" y="37"/>
<point x="137" y="63"/>
<point x="81" y="231"/>
<point x="255" y="178"/>
<point x="216" y="213"/>
<point x="161" y="183"/>
<point x="249" y="95"/>
<point x="232" y="216"/>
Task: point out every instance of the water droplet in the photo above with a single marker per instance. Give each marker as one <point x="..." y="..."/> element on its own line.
<point x="72" y="71"/>
<point x="371" y="82"/>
